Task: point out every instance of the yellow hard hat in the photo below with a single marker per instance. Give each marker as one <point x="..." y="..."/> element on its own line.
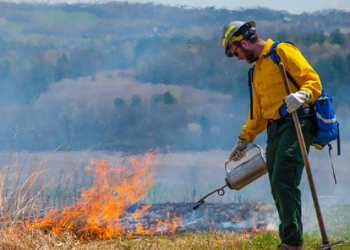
<point x="236" y="31"/>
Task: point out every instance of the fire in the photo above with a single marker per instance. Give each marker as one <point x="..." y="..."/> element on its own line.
<point x="171" y="224"/>
<point x="101" y="211"/>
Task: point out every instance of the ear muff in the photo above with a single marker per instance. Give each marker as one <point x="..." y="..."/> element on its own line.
<point x="249" y="32"/>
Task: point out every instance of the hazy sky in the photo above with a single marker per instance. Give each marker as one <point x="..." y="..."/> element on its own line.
<point x="296" y="6"/>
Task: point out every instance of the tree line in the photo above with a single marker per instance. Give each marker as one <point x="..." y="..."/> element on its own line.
<point x="43" y="45"/>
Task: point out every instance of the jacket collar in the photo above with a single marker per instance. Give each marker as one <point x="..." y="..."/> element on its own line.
<point x="265" y="50"/>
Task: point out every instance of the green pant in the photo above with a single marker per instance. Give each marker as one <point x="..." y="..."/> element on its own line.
<point x="285" y="166"/>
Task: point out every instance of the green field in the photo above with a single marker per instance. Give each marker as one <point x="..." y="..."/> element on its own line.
<point x="211" y="240"/>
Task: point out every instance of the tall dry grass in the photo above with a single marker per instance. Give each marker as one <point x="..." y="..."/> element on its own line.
<point x="25" y="195"/>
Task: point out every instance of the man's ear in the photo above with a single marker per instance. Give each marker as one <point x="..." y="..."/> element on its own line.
<point x="244" y="42"/>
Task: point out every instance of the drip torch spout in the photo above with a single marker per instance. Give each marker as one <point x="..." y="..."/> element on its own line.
<point x="220" y="191"/>
<point x="200" y="202"/>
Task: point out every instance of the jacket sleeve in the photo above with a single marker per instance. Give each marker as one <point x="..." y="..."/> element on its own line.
<point x="256" y="125"/>
<point x="302" y="72"/>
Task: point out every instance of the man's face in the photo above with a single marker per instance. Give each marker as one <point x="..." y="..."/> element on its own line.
<point x="243" y="51"/>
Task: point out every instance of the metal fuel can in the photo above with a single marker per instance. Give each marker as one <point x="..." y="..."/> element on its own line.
<point x="246" y="172"/>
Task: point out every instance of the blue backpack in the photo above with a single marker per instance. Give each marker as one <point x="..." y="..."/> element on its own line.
<point x="327" y="124"/>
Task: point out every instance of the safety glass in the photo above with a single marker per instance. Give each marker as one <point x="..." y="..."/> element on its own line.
<point x="235" y="51"/>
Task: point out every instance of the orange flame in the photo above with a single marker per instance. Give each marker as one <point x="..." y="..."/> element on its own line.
<point x="99" y="211"/>
<point x="256" y="230"/>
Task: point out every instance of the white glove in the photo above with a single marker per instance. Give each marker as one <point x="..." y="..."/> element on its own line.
<point x="237" y="153"/>
<point x="295" y="100"/>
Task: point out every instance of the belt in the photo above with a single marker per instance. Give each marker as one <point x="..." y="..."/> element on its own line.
<point x="301" y="112"/>
<point x="278" y="122"/>
<point x="273" y="125"/>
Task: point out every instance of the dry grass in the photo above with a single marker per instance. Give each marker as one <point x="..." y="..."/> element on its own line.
<point x="23" y="196"/>
<point x="18" y="199"/>
<point x="35" y="239"/>
<point x="213" y="240"/>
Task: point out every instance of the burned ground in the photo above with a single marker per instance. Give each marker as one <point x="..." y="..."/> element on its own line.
<point x="237" y="217"/>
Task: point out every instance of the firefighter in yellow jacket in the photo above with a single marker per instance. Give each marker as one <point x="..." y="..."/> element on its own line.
<point x="271" y="110"/>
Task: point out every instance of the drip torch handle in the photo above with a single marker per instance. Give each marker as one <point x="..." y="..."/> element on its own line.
<point x="245" y="150"/>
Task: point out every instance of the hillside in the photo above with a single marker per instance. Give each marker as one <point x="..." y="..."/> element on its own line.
<point x="49" y="49"/>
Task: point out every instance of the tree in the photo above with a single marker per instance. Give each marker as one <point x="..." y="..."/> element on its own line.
<point x="136" y="101"/>
<point x="308" y="39"/>
<point x="332" y="71"/>
<point x="348" y="60"/>
<point x="119" y="102"/>
<point x="282" y="35"/>
<point x="337" y="37"/>
<point x="5" y="69"/>
<point x="63" y="68"/>
<point x="168" y="98"/>
<point x="319" y="37"/>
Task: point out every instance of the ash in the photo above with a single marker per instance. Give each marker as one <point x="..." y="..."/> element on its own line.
<point x="237" y="217"/>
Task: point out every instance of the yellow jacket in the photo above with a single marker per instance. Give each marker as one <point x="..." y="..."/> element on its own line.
<point x="269" y="90"/>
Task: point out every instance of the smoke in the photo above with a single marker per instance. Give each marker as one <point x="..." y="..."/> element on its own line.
<point x="114" y="108"/>
<point x="183" y="175"/>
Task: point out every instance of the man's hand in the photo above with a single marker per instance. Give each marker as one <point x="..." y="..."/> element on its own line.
<point x="295" y="100"/>
<point x="237" y="153"/>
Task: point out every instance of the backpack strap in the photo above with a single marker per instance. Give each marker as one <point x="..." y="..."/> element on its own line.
<point x="330" y="156"/>
<point x="250" y="83"/>
<point x="338" y="140"/>
<point x="291" y="79"/>
<point x="273" y="54"/>
<point x="276" y="60"/>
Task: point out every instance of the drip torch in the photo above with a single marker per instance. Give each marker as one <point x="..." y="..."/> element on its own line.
<point x="241" y="175"/>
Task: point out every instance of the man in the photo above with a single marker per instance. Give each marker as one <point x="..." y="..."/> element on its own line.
<point x="283" y="155"/>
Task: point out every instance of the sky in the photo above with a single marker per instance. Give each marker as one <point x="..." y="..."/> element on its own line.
<point x="295" y="6"/>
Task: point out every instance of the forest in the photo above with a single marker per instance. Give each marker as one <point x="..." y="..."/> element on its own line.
<point x="129" y="77"/>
